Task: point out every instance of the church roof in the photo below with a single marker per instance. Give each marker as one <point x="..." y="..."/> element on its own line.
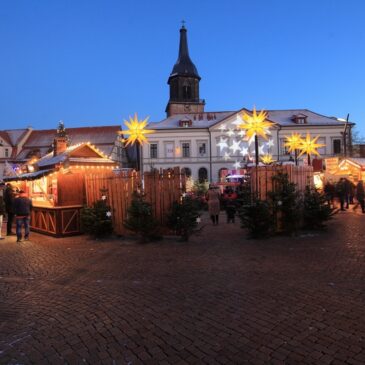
<point x="184" y="66"/>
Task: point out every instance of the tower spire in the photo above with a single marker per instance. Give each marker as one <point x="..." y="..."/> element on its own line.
<point x="184" y="82"/>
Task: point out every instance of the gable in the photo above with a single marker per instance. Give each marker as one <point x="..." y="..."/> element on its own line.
<point x="86" y="150"/>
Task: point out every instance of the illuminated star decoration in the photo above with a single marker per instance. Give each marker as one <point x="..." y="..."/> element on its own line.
<point x="222" y="143"/>
<point x="222" y="127"/>
<point x="136" y="130"/>
<point x="270" y="143"/>
<point x="226" y="156"/>
<point x="235" y="146"/>
<point x="244" y="151"/>
<point x="238" y="120"/>
<point x="293" y="142"/>
<point x="237" y="165"/>
<point x="255" y="124"/>
<point x="230" y="132"/>
<point x="309" y="145"/>
<point x="261" y="149"/>
<point x="267" y="159"/>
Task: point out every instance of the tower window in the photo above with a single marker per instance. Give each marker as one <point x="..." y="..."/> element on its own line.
<point x="187" y="92"/>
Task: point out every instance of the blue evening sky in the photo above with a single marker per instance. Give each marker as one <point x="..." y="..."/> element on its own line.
<point x="92" y="62"/>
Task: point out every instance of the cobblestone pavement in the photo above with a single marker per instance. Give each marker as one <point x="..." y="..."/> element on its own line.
<point x="219" y="299"/>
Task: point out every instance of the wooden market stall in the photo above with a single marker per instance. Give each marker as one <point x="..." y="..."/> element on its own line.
<point x="56" y="185"/>
<point x="352" y="168"/>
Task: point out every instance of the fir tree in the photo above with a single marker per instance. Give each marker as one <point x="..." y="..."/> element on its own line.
<point x="257" y="218"/>
<point x="183" y="217"/>
<point x="96" y="220"/>
<point x="316" y="211"/>
<point x="140" y="219"/>
<point x="286" y="203"/>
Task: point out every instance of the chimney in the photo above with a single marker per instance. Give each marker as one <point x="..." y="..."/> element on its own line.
<point x="59" y="145"/>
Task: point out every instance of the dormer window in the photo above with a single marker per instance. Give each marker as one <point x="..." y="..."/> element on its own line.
<point x="299" y="119"/>
<point x="185" y="123"/>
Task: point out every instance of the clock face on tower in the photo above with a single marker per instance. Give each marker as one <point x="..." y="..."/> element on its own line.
<point x="187" y="107"/>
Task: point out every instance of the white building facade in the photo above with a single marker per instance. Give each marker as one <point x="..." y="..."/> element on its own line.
<point x="203" y="143"/>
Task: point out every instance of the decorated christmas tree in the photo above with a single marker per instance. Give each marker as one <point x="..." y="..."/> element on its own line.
<point x="96" y="220"/>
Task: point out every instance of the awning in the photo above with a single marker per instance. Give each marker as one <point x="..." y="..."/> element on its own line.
<point x="29" y="176"/>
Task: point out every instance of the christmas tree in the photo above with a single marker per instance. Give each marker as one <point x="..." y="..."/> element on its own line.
<point x="96" y="220"/>
<point x="140" y="218"/>
<point x="316" y="211"/>
<point x="183" y="217"/>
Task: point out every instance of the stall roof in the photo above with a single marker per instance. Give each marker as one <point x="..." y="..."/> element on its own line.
<point x="30" y="175"/>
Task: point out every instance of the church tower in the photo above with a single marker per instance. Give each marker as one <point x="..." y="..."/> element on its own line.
<point x="184" y="83"/>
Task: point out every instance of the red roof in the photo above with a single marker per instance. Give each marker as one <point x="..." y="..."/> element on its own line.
<point x="103" y="137"/>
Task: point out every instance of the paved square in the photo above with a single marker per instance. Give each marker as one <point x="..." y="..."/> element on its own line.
<point x="218" y="299"/>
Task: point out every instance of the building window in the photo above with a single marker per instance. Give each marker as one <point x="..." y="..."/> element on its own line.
<point x="153" y="150"/>
<point x="169" y="149"/>
<point x="186" y="171"/>
<point x="185" y="149"/>
<point x="6" y="152"/>
<point x="202" y="149"/>
<point x="186" y="92"/>
<point x="283" y="149"/>
<point x="203" y="174"/>
<point x="336" y="146"/>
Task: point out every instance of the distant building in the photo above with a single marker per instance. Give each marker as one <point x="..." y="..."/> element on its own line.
<point x="21" y="145"/>
<point x="204" y="143"/>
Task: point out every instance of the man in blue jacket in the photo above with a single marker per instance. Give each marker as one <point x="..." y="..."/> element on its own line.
<point x="22" y="209"/>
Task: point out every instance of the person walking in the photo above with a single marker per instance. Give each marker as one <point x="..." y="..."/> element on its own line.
<point x="360" y="196"/>
<point x="230" y="207"/>
<point x="2" y="213"/>
<point x="22" y="209"/>
<point x="9" y="196"/>
<point x="213" y="204"/>
<point x="341" y="193"/>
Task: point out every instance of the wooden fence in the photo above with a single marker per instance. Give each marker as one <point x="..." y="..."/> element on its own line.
<point x="300" y="175"/>
<point x="161" y="188"/>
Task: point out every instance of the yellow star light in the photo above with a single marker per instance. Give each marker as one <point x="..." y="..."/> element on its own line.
<point x="267" y="159"/>
<point x="136" y="130"/>
<point x="293" y="142"/>
<point x="309" y="145"/>
<point x="255" y="124"/>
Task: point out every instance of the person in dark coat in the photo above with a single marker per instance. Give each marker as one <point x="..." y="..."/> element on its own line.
<point x="341" y="192"/>
<point x="22" y="209"/>
<point x="9" y="196"/>
<point x="230" y="207"/>
<point x="329" y="191"/>
<point x="360" y="196"/>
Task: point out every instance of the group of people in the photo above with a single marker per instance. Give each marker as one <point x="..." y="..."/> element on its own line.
<point x="346" y="192"/>
<point x="214" y="199"/>
<point x="16" y="205"/>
